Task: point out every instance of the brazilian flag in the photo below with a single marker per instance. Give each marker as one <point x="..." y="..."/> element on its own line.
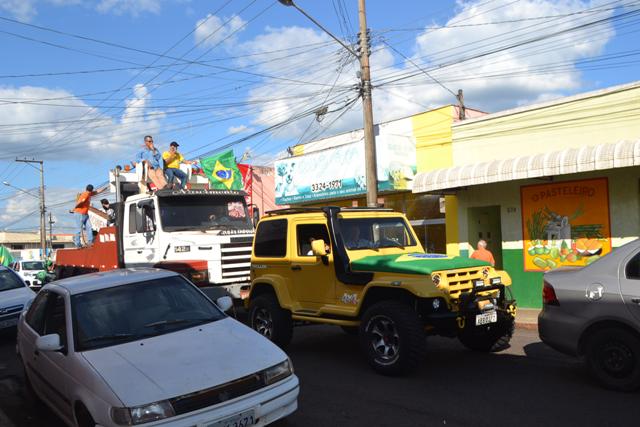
<point x="5" y="256"/>
<point x="222" y="171"/>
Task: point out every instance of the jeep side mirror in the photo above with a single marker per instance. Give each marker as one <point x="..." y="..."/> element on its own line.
<point x="49" y="342"/>
<point x="318" y="247"/>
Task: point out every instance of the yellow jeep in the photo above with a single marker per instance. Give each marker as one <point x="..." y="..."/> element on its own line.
<point x="364" y="270"/>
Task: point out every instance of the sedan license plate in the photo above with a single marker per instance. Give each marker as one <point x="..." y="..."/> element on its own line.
<point x="243" y="419"/>
<point x="486" y="318"/>
<point x="8" y="323"/>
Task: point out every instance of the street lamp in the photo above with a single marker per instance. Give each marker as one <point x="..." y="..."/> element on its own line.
<point x="365" y="89"/>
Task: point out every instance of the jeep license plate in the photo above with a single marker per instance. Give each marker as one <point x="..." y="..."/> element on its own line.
<point x="486" y="318"/>
<point x="243" y="419"/>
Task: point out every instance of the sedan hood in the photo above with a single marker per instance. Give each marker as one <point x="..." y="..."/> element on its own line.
<point x="183" y="362"/>
<point x="13" y="297"/>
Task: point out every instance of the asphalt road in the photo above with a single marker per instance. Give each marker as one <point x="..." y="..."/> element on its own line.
<point x="526" y="385"/>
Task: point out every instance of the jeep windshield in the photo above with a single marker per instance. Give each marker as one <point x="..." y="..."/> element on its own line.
<point x="204" y="212"/>
<point x="375" y="233"/>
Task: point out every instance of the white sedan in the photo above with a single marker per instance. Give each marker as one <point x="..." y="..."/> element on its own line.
<point x="146" y="347"/>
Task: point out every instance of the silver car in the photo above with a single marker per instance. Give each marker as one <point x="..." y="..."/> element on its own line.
<point x="14" y="296"/>
<point x="594" y="313"/>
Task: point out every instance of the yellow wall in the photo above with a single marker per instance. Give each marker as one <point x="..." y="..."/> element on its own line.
<point x="432" y="131"/>
<point x="594" y="118"/>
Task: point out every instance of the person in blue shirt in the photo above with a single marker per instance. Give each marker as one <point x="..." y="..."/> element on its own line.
<point x="151" y="157"/>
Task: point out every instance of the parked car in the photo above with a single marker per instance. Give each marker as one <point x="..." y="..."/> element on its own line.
<point x="594" y="313"/>
<point x="146" y="347"/>
<point x="28" y="271"/>
<point x="14" y="296"/>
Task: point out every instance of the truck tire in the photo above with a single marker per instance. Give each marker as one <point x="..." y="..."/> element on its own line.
<point x="270" y="320"/>
<point x="613" y="359"/>
<point x="392" y="338"/>
<point x="489" y="338"/>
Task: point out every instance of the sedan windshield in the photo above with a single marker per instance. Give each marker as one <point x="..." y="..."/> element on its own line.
<point x="374" y="233"/>
<point x="33" y="265"/>
<point x="134" y="311"/>
<point x="181" y="213"/>
<point x="9" y="281"/>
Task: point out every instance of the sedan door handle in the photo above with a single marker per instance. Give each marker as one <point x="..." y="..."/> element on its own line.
<point x="635" y="300"/>
<point x="296" y="267"/>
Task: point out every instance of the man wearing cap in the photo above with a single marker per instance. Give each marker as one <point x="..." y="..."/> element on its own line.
<point x="172" y="160"/>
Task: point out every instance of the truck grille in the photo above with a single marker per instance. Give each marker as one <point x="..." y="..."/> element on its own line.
<point x="236" y="260"/>
<point x="213" y="396"/>
<point x="459" y="281"/>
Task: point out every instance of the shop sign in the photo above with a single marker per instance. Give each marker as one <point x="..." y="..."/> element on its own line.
<point x="565" y="223"/>
<point x="340" y="171"/>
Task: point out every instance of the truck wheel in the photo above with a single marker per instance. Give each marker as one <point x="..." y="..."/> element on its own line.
<point x="613" y="358"/>
<point x="489" y="338"/>
<point x="392" y="338"/>
<point x="270" y="320"/>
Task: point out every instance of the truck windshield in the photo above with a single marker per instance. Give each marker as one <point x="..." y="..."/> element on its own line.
<point x="374" y="233"/>
<point x="198" y="212"/>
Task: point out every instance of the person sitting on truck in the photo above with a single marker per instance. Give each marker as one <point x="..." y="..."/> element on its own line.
<point x="111" y="213"/>
<point x="150" y="156"/>
<point x="172" y="161"/>
<point x="81" y="212"/>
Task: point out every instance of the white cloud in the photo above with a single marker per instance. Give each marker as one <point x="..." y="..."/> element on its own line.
<point x="133" y="7"/>
<point x="491" y="83"/>
<point x="23" y="211"/>
<point x="212" y="30"/>
<point x="75" y="130"/>
<point x="238" y="129"/>
<point x="23" y="10"/>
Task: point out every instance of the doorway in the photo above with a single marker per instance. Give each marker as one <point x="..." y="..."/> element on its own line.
<point x="484" y="223"/>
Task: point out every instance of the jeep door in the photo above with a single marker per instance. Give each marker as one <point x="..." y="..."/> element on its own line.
<point x="312" y="277"/>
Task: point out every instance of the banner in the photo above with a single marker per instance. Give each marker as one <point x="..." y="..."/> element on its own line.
<point x="340" y="171"/>
<point x="247" y="179"/>
<point x="222" y="171"/>
<point x="5" y="256"/>
<point x="565" y="223"/>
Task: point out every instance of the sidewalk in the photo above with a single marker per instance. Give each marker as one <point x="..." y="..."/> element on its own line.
<point x="527" y="318"/>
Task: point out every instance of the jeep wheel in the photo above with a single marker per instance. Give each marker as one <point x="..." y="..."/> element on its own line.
<point x="270" y="320"/>
<point x="489" y="338"/>
<point x="392" y="338"/>
<point x="613" y="358"/>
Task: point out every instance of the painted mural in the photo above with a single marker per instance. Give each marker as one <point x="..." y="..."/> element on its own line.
<point x="565" y="223"/>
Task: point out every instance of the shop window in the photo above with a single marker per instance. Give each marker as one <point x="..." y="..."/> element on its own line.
<point x="271" y="239"/>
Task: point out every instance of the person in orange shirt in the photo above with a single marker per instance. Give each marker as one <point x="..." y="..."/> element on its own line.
<point x="81" y="212"/>
<point x="483" y="254"/>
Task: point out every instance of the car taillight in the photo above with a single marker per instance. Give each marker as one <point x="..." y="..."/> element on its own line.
<point x="549" y="295"/>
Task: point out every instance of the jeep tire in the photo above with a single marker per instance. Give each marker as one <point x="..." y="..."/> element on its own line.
<point x="392" y="338"/>
<point x="613" y="358"/>
<point x="488" y="338"/>
<point x="270" y="320"/>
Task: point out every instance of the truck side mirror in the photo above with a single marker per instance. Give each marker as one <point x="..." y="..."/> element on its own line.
<point x="318" y="247"/>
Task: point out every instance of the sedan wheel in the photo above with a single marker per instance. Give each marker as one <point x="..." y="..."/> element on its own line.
<point x="613" y="358"/>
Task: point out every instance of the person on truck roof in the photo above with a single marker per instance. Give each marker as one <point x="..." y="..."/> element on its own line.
<point x="150" y="156"/>
<point x="81" y="212"/>
<point x="172" y="160"/>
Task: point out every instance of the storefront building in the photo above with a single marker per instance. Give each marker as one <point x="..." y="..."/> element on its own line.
<point x="549" y="185"/>
<point x="330" y="171"/>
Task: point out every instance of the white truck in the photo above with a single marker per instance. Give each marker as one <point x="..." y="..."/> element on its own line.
<point x="206" y="235"/>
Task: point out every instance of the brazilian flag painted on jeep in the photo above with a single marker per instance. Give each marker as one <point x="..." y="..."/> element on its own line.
<point x="418" y="263"/>
<point x="222" y="171"/>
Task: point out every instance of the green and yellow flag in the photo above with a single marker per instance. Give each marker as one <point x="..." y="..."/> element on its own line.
<point x="5" y="256"/>
<point x="222" y="171"/>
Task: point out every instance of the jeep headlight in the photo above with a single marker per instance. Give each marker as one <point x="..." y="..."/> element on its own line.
<point x="277" y="372"/>
<point x="142" y="414"/>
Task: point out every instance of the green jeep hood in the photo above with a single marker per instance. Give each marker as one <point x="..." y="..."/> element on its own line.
<point x="417" y="263"/>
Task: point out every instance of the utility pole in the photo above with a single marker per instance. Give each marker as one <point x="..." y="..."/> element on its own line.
<point x="51" y="222"/>
<point x="43" y="227"/>
<point x="370" y="160"/>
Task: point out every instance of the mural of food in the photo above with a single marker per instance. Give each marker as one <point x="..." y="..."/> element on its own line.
<point x="565" y="224"/>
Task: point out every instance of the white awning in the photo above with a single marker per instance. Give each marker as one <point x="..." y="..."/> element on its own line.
<point x="570" y="160"/>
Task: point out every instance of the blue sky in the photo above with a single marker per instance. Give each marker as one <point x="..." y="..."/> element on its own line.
<point x="260" y="66"/>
